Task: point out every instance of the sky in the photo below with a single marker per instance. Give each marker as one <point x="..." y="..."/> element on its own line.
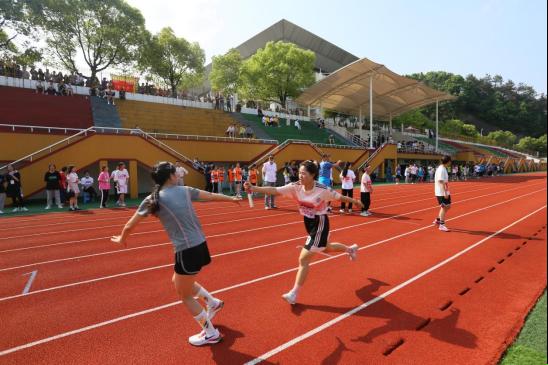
<point x="505" y="37"/>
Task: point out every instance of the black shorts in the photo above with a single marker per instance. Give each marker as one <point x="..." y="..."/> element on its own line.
<point x="443" y="201"/>
<point x="191" y="261"/>
<point x="318" y="233"/>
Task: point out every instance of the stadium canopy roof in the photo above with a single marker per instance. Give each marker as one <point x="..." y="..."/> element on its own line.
<point x="347" y="90"/>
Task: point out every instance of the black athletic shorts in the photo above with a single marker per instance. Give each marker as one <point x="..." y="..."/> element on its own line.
<point x="318" y="232"/>
<point x="191" y="260"/>
<point x="443" y="201"/>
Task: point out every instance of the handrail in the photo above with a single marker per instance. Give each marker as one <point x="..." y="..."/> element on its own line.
<point x="166" y="147"/>
<point x="33" y="127"/>
<point x="373" y="155"/>
<point x="50" y="147"/>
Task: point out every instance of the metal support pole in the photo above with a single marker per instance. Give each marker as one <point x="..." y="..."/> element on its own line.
<point x="390" y="125"/>
<point x="308" y="111"/>
<point x="371" y="112"/>
<point x="437" y="124"/>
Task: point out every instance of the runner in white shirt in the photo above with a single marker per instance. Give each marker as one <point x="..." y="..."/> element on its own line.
<point x="347" y="178"/>
<point x="366" y="189"/>
<point x="121" y="179"/>
<point x="441" y="186"/>
<point x="180" y="172"/>
<point x="313" y="199"/>
<point x="270" y="170"/>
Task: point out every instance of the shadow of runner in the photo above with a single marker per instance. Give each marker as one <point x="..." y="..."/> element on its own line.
<point x="222" y="353"/>
<point x="336" y="355"/>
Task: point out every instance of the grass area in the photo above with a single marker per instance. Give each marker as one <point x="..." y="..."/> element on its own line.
<point x="310" y="131"/>
<point x="37" y="207"/>
<point x="530" y="346"/>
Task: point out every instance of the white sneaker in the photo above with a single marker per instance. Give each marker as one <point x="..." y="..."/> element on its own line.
<point x="369" y="213"/>
<point x="212" y="311"/>
<point x="290" y="297"/>
<point x="15" y="210"/>
<point x="123" y="205"/>
<point x="24" y="209"/>
<point x="266" y="208"/>
<point x="1" y="212"/>
<point x="342" y="211"/>
<point x="364" y="214"/>
<point x="443" y="228"/>
<point x="48" y="207"/>
<point x="202" y="339"/>
<point x="353" y="252"/>
<point x="60" y="206"/>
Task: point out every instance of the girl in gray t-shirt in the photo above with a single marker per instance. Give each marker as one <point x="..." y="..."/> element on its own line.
<point x="172" y="204"/>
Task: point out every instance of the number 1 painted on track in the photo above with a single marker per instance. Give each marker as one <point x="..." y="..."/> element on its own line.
<point x="29" y="283"/>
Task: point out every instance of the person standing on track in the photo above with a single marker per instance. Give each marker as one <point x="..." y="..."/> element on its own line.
<point x="441" y="186"/>
<point x="172" y="204"/>
<point x="347" y="177"/>
<point x="366" y="189"/>
<point x="181" y="173"/>
<point x="104" y="185"/>
<point x="53" y="184"/>
<point x="72" y="188"/>
<point x="312" y="198"/>
<point x="269" y="180"/>
<point x="238" y="179"/>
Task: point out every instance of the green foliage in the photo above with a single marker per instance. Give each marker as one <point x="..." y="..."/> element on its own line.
<point x="456" y="126"/>
<point x="15" y="26"/>
<point x="501" y="104"/>
<point x="276" y="72"/>
<point x="414" y="119"/>
<point x="175" y="61"/>
<point x="106" y="33"/>
<point x="503" y="138"/>
<point x="533" y="145"/>
<point x="226" y="72"/>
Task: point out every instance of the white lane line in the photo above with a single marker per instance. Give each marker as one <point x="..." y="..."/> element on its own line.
<point x="29" y="282"/>
<point x="231" y="233"/>
<point x="386" y="294"/>
<point x="271" y="353"/>
<point x="125" y="217"/>
<point x="161" y="230"/>
<point x="374" y="244"/>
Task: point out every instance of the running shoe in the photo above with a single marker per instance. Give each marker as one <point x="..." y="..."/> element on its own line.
<point x="15" y="210"/>
<point x="443" y="228"/>
<point x="60" y="206"/>
<point x="364" y="214"/>
<point x="202" y="339"/>
<point x="47" y="208"/>
<point x="342" y="211"/>
<point x="24" y="209"/>
<point x="353" y="252"/>
<point x="290" y="297"/>
<point x="212" y="311"/>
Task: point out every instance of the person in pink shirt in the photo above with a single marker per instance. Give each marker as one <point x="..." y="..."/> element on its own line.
<point x="313" y="199"/>
<point x="104" y="185"/>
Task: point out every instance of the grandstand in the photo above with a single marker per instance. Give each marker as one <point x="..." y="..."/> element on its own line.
<point x="165" y="118"/>
<point x="309" y="131"/>
<point x="26" y="107"/>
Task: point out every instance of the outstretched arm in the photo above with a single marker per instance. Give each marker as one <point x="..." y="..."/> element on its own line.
<point x="128" y="228"/>
<point x="207" y="196"/>
<point x="346" y="199"/>
<point x="270" y="190"/>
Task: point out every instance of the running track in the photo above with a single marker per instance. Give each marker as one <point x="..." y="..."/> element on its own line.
<point x="415" y="295"/>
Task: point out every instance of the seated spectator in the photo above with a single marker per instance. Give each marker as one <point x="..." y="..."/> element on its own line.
<point x="331" y="139"/>
<point x="242" y="131"/>
<point x="110" y="96"/>
<point x="62" y="88"/>
<point x="298" y="124"/>
<point x="249" y="132"/>
<point x="50" y="90"/>
<point x="33" y="74"/>
<point x="40" y="87"/>
<point x="260" y="112"/>
<point x="87" y="185"/>
<point x="69" y="91"/>
<point x="25" y="74"/>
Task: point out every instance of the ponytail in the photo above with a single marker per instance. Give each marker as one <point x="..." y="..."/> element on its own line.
<point x="346" y="167"/>
<point x="161" y="173"/>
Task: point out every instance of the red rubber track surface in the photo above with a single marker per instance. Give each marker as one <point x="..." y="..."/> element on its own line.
<point x="93" y="302"/>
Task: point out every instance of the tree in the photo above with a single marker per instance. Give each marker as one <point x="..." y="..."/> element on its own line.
<point x="277" y="71"/>
<point x="532" y="145"/>
<point x="15" y="25"/>
<point x="106" y="33"/>
<point x="414" y="118"/>
<point x="176" y="61"/>
<point x="503" y="138"/>
<point x="226" y="72"/>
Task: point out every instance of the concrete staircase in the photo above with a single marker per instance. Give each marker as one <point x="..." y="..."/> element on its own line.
<point x="104" y="115"/>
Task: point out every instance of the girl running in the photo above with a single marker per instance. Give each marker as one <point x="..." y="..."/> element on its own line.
<point x="347" y="177"/>
<point x="312" y="198"/>
<point x="172" y="204"/>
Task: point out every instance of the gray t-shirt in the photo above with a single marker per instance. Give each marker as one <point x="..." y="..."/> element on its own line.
<point x="178" y="216"/>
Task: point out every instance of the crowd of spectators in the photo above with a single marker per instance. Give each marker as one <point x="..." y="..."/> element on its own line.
<point x="240" y="131"/>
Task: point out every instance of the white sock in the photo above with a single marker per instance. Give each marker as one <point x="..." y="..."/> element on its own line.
<point x="296" y="289"/>
<point x="205" y="323"/>
<point x="204" y="294"/>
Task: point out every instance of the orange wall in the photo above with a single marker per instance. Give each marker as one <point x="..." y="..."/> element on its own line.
<point x="18" y="145"/>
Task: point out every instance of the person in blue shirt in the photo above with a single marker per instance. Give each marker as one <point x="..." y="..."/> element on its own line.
<point x="325" y="172"/>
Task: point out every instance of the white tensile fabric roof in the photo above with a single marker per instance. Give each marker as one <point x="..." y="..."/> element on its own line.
<point x="347" y="91"/>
